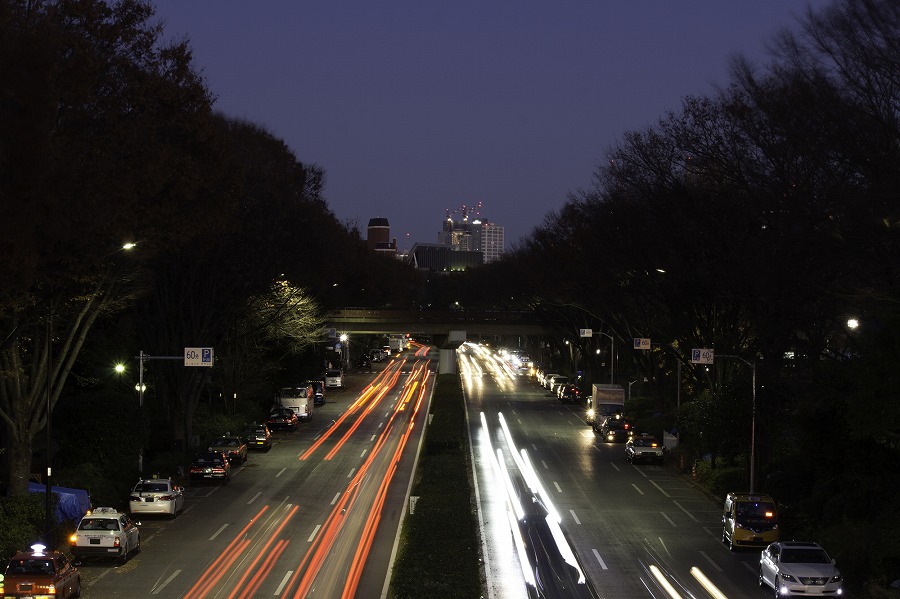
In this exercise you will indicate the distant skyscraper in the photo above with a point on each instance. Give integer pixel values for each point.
(477, 235)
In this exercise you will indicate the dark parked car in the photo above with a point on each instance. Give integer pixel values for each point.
(284, 419)
(259, 436)
(211, 465)
(234, 448)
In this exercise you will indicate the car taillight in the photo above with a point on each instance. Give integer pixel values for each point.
(134, 498)
(73, 539)
(165, 498)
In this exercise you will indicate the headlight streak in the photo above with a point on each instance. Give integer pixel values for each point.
(514, 511)
(523, 463)
(707, 584)
(664, 582)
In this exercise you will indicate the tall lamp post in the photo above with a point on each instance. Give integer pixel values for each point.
(612, 355)
(752, 366)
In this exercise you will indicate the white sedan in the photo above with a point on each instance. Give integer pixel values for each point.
(804, 568)
(156, 496)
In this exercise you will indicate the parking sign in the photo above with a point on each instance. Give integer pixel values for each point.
(702, 356)
(198, 356)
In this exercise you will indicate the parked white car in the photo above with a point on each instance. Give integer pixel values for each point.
(791, 567)
(105, 532)
(156, 496)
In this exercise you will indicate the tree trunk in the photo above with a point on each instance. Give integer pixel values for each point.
(18, 455)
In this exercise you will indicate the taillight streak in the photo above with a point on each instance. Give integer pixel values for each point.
(257, 580)
(329, 532)
(209, 577)
(364, 396)
(362, 552)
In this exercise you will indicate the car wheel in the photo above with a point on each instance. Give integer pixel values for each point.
(76, 592)
(731, 543)
(762, 583)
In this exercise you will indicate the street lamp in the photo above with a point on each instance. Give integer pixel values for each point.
(345, 355)
(752, 366)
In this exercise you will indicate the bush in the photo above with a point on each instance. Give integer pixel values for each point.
(23, 520)
(440, 540)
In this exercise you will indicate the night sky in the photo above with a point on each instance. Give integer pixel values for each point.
(414, 108)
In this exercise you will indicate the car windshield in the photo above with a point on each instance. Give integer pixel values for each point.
(98, 524)
(29, 566)
(151, 487)
(750, 510)
(645, 442)
(805, 555)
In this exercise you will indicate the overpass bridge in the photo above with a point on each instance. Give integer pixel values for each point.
(447, 328)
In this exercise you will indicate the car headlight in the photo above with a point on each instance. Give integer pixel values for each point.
(789, 578)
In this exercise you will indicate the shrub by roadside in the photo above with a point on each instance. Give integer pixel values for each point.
(439, 546)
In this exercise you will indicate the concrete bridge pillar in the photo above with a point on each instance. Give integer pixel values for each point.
(447, 351)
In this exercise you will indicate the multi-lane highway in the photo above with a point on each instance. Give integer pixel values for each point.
(637, 530)
(316, 516)
(562, 512)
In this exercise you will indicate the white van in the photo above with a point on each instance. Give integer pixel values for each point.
(299, 399)
(334, 378)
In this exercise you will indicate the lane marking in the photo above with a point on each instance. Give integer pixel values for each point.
(599, 559)
(577, 521)
(156, 590)
(653, 482)
(218, 532)
(711, 562)
(666, 516)
(280, 472)
(252, 499)
(637, 489)
(284, 581)
(314, 533)
(556, 484)
(336, 497)
(685, 511)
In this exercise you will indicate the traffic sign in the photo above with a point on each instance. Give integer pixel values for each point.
(198, 356)
(702, 356)
(641, 343)
(585, 332)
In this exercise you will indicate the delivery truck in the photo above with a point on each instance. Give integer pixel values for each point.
(605, 401)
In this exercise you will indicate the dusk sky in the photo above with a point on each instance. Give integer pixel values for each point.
(414, 108)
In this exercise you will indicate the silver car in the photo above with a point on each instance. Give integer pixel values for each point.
(156, 496)
(803, 568)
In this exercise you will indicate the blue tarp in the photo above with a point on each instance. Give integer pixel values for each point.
(72, 504)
